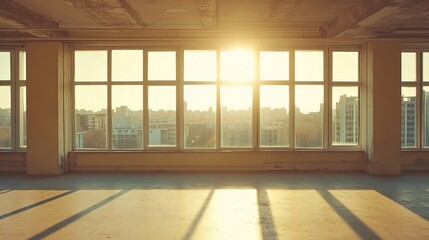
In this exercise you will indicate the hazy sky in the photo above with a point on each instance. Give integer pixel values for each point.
(4, 66)
(408, 69)
(4, 97)
(200, 65)
(200, 97)
(408, 91)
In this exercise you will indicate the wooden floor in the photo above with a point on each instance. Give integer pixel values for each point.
(227, 205)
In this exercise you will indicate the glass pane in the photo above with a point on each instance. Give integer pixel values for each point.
(345, 116)
(345, 66)
(200, 116)
(274, 116)
(127, 65)
(22, 116)
(200, 65)
(426, 116)
(5, 66)
(237, 65)
(127, 117)
(162, 65)
(274, 65)
(408, 67)
(22, 65)
(90, 65)
(90, 116)
(309, 116)
(162, 116)
(236, 122)
(5, 117)
(426, 66)
(309, 66)
(408, 119)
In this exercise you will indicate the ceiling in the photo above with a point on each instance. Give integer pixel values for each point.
(69, 19)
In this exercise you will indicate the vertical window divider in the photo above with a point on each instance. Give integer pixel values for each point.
(292, 99)
(362, 96)
(14, 103)
(109, 101)
(146, 130)
(180, 115)
(326, 98)
(256, 102)
(73, 97)
(419, 100)
(218, 103)
(329, 99)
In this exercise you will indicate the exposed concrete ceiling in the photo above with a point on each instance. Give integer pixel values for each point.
(135, 18)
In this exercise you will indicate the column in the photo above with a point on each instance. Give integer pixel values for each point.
(383, 107)
(45, 108)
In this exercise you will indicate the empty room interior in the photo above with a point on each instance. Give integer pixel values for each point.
(214, 119)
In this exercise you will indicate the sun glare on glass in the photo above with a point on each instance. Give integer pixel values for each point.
(237, 65)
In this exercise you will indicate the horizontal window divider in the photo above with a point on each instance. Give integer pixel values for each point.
(263, 82)
(161, 83)
(309, 83)
(247, 83)
(199, 82)
(127, 82)
(91, 83)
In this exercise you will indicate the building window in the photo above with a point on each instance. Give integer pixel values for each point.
(12, 100)
(415, 99)
(207, 99)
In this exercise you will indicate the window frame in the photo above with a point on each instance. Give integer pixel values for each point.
(15, 84)
(256, 83)
(419, 85)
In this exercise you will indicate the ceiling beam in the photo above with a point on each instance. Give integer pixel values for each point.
(208, 13)
(109, 13)
(31, 22)
(281, 9)
(358, 13)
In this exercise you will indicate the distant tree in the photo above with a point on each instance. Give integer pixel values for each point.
(94, 139)
(4, 137)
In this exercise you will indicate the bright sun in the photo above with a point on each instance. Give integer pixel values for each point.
(237, 65)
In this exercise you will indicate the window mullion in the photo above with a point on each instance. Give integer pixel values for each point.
(256, 103)
(146, 130)
(292, 85)
(218, 102)
(179, 100)
(327, 88)
(109, 101)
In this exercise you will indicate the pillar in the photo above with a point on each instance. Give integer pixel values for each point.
(383, 107)
(45, 108)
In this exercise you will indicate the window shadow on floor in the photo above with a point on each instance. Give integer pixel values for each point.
(5, 191)
(354, 222)
(268, 226)
(36, 204)
(199, 215)
(77, 216)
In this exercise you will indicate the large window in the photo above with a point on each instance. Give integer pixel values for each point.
(12, 100)
(415, 99)
(208, 99)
